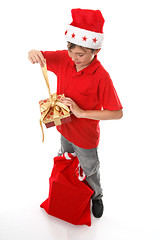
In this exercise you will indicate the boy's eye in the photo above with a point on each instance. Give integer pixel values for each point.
(80, 55)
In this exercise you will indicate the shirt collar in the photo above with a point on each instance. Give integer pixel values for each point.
(89, 69)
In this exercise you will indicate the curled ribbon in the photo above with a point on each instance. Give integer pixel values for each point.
(53, 102)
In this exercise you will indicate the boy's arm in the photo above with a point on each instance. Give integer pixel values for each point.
(92, 114)
(102, 114)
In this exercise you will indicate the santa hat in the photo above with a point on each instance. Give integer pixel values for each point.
(86, 29)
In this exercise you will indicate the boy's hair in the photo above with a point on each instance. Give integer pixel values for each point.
(72, 45)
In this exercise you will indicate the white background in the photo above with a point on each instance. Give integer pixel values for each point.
(129, 148)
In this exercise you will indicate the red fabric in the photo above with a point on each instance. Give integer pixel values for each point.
(91, 88)
(91, 20)
(69, 198)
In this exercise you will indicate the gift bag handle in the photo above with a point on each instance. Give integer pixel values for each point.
(79, 173)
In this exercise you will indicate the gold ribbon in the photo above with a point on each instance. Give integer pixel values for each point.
(53, 102)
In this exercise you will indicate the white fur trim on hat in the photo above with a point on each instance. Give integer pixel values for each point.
(84, 38)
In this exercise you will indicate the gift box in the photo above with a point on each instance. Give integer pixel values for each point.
(53, 111)
(69, 195)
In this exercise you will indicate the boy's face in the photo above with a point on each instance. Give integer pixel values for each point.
(82, 57)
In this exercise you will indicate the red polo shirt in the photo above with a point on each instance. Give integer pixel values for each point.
(91, 88)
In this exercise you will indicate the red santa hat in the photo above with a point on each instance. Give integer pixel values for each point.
(86, 29)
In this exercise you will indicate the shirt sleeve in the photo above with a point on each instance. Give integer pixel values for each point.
(53, 60)
(108, 95)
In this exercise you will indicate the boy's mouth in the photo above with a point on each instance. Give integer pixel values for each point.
(77, 62)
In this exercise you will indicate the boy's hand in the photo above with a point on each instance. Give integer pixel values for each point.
(75, 109)
(36, 56)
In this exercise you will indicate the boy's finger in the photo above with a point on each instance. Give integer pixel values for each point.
(41, 57)
(31, 60)
(34, 59)
(40, 61)
(66, 98)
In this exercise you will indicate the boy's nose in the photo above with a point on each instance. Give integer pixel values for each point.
(74, 58)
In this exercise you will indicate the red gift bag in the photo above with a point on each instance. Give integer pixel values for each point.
(69, 194)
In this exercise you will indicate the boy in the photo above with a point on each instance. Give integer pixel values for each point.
(89, 92)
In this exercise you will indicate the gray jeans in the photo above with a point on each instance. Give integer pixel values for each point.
(89, 162)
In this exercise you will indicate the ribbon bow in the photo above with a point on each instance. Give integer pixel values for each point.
(53, 102)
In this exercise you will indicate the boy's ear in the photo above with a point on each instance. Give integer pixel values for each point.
(96, 51)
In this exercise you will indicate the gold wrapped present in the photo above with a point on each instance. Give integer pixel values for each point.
(53, 111)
